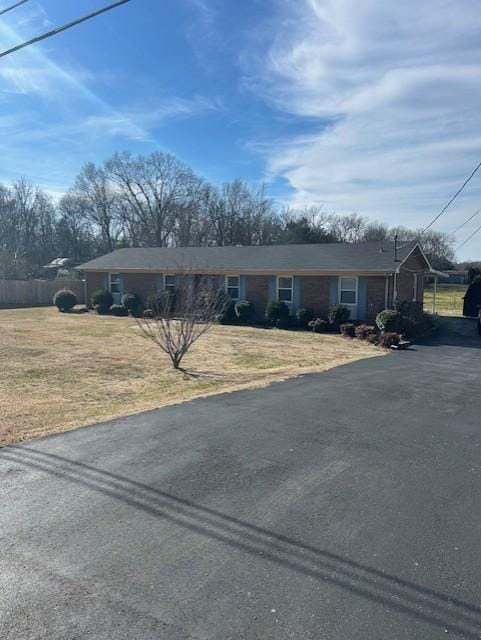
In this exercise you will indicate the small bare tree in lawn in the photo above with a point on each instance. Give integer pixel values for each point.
(181, 316)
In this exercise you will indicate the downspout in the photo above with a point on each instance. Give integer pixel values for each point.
(86, 302)
(386, 293)
(394, 293)
(434, 293)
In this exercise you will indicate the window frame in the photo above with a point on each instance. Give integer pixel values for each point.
(227, 287)
(356, 291)
(291, 289)
(116, 283)
(171, 288)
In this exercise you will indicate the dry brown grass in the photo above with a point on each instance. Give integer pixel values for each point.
(61, 371)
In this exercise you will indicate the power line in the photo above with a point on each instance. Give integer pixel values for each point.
(13, 6)
(452, 199)
(465, 222)
(468, 238)
(64, 27)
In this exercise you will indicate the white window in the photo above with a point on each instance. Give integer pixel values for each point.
(284, 288)
(232, 286)
(170, 283)
(115, 283)
(348, 291)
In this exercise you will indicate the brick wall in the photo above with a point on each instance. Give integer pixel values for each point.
(93, 281)
(405, 279)
(405, 286)
(315, 294)
(376, 296)
(257, 292)
(143, 284)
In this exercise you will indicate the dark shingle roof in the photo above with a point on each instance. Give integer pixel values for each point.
(296, 258)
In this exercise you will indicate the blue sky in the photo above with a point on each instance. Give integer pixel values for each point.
(357, 106)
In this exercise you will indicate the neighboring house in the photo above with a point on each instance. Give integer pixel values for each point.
(61, 268)
(365, 277)
(454, 276)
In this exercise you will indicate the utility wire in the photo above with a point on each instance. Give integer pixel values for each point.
(452, 199)
(64, 27)
(468, 238)
(465, 222)
(13, 6)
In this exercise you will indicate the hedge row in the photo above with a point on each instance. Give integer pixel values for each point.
(408, 320)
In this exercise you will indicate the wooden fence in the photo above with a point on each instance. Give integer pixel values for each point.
(36, 293)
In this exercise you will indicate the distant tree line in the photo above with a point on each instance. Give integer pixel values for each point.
(157, 200)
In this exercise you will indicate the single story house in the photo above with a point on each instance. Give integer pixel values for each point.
(365, 277)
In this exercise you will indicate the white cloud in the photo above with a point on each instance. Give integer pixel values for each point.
(392, 93)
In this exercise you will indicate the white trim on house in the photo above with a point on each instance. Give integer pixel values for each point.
(291, 289)
(171, 286)
(237, 286)
(416, 246)
(252, 272)
(117, 294)
(353, 306)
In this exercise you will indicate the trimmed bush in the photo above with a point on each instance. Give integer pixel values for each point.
(276, 310)
(364, 331)
(244, 311)
(228, 315)
(133, 303)
(389, 321)
(65, 300)
(304, 316)
(119, 310)
(348, 329)
(227, 308)
(154, 300)
(339, 314)
(102, 301)
(162, 301)
(415, 321)
(320, 326)
(389, 339)
(282, 323)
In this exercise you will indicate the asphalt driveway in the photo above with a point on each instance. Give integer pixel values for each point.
(338, 506)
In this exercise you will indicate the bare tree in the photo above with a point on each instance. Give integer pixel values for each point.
(159, 190)
(99, 202)
(181, 317)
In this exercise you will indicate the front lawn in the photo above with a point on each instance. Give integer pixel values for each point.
(61, 371)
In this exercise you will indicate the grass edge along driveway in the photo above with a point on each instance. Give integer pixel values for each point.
(63, 371)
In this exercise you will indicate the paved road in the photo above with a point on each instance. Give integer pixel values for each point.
(337, 506)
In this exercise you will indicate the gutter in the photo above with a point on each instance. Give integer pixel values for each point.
(229, 270)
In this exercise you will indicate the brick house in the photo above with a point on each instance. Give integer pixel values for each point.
(366, 277)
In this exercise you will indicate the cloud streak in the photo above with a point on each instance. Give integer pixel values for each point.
(393, 96)
(53, 118)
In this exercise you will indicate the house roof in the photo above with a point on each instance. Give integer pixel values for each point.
(295, 258)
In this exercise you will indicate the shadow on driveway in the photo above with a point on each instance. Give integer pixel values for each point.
(455, 332)
(416, 601)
